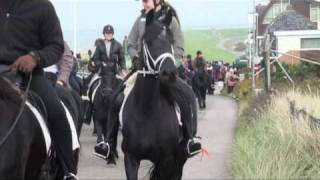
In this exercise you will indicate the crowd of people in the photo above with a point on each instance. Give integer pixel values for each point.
(220, 73)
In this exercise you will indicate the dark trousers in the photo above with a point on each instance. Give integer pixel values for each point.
(185, 98)
(58, 122)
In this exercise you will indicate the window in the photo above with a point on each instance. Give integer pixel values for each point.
(276, 10)
(310, 43)
(315, 12)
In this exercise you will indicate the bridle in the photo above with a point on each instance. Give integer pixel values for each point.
(156, 63)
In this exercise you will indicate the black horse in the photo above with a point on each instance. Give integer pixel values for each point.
(24, 153)
(200, 84)
(151, 129)
(104, 103)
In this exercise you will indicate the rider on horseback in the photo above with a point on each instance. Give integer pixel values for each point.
(134, 49)
(108, 50)
(31, 41)
(199, 62)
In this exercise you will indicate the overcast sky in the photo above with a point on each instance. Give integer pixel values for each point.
(94, 14)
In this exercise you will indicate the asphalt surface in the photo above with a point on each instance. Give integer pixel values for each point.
(216, 127)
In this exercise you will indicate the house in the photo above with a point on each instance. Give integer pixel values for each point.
(310, 9)
(293, 45)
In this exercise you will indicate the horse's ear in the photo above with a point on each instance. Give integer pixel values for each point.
(150, 17)
(168, 18)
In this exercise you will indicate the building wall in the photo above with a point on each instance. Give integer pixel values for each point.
(301, 6)
(291, 44)
(288, 43)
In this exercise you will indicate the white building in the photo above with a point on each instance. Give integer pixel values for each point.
(305, 44)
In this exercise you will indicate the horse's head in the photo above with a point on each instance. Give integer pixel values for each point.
(157, 46)
(108, 78)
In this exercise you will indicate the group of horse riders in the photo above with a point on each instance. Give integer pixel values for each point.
(31, 40)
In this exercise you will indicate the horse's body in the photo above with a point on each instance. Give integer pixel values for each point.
(103, 100)
(24, 152)
(150, 126)
(200, 84)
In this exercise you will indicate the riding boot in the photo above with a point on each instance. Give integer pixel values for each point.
(187, 104)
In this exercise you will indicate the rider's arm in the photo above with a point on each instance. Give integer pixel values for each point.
(133, 39)
(178, 43)
(97, 55)
(50, 36)
(65, 65)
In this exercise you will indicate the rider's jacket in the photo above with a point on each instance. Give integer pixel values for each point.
(30, 25)
(199, 63)
(115, 55)
(137, 32)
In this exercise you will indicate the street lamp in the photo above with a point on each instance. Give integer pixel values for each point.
(75, 26)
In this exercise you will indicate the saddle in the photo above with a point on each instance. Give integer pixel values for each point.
(16, 80)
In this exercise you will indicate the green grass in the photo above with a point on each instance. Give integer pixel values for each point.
(208, 42)
(276, 147)
(233, 33)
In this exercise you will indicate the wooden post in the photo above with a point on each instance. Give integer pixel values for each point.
(267, 52)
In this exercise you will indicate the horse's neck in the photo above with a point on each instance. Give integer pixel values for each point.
(147, 91)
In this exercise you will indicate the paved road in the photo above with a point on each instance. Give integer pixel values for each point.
(216, 127)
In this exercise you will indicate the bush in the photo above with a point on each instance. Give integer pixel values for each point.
(275, 145)
(297, 72)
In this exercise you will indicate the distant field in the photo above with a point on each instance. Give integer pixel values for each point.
(208, 42)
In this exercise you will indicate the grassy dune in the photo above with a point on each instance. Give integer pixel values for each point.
(208, 42)
(274, 146)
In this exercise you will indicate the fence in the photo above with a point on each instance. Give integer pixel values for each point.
(296, 113)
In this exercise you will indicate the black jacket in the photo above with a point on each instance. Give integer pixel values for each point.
(30, 25)
(199, 63)
(116, 54)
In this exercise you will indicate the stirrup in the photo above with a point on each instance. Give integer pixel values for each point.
(70, 175)
(193, 153)
(108, 150)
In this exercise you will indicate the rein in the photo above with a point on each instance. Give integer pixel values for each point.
(155, 62)
(21, 110)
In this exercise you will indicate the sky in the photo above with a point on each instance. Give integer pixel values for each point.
(92, 15)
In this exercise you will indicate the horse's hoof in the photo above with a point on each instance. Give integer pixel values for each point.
(111, 162)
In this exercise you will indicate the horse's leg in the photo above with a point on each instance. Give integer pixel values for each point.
(165, 168)
(99, 128)
(111, 136)
(132, 166)
(180, 162)
(199, 99)
(204, 98)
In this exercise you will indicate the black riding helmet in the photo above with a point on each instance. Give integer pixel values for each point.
(108, 29)
(155, 2)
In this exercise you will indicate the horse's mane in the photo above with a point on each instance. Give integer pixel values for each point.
(173, 11)
(8, 92)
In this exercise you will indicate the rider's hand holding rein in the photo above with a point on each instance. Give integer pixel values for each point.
(26, 63)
